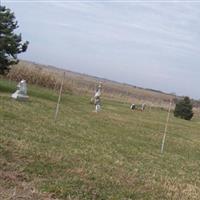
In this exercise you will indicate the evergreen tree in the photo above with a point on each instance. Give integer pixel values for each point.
(183, 109)
(10, 43)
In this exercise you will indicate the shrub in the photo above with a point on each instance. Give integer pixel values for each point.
(183, 109)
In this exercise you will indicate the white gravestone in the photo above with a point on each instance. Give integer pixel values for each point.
(133, 106)
(21, 93)
(97, 100)
(138, 107)
(143, 107)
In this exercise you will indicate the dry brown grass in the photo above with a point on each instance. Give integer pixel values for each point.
(85, 85)
(177, 190)
(37, 75)
(19, 188)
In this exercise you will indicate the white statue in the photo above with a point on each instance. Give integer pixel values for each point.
(97, 100)
(21, 93)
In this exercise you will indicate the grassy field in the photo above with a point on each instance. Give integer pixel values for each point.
(114, 154)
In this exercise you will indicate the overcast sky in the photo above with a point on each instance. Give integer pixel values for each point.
(152, 44)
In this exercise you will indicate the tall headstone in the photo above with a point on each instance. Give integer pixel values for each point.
(143, 106)
(21, 93)
(97, 99)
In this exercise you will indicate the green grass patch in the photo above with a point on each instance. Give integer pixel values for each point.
(114, 154)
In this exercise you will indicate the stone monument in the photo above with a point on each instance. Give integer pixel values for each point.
(21, 93)
(143, 106)
(97, 99)
(133, 107)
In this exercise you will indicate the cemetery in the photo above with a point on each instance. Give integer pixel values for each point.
(114, 154)
(70, 136)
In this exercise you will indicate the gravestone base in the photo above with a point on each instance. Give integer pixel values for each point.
(18, 96)
(97, 108)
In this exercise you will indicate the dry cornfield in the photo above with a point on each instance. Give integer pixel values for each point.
(51, 77)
